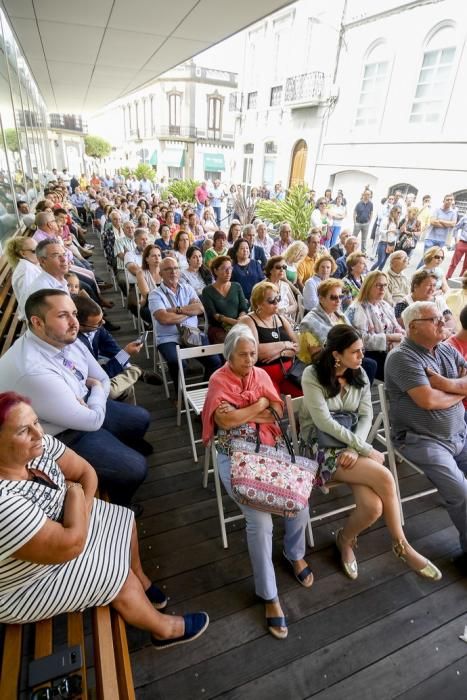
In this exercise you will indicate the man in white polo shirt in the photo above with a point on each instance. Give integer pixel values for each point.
(69, 392)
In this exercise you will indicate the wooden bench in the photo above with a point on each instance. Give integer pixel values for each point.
(112, 669)
(10, 325)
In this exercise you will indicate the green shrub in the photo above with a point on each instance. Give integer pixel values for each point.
(144, 170)
(295, 209)
(183, 190)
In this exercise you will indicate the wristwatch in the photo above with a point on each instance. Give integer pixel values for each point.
(178, 310)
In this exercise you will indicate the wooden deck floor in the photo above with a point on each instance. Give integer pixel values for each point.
(390, 634)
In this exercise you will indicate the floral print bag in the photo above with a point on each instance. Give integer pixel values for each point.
(271, 478)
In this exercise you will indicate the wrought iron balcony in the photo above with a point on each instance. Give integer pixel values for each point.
(305, 90)
(68, 122)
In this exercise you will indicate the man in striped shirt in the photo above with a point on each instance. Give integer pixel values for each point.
(426, 382)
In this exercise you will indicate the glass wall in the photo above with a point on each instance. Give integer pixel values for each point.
(23, 135)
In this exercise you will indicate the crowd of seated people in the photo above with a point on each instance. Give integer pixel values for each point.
(176, 265)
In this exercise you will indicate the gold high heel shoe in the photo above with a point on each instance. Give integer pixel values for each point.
(428, 571)
(350, 567)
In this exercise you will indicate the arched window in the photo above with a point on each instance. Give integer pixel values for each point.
(435, 77)
(404, 187)
(374, 85)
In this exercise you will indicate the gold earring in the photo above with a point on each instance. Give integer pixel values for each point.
(337, 364)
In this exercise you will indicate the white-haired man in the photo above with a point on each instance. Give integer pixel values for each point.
(426, 382)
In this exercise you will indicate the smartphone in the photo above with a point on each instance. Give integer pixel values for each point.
(59, 664)
(142, 338)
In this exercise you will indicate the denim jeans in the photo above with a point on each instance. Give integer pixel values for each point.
(259, 538)
(120, 468)
(381, 256)
(217, 214)
(169, 352)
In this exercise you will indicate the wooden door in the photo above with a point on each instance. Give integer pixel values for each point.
(297, 170)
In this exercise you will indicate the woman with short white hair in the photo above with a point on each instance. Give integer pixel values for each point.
(236, 405)
(398, 283)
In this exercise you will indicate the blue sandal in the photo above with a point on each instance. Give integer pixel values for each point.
(274, 623)
(302, 575)
(156, 596)
(195, 625)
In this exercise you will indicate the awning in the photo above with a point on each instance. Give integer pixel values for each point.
(153, 158)
(214, 162)
(173, 157)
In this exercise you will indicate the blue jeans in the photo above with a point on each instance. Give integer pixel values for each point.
(259, 538)
(335, 231)
(169, 352)
(381, 256)
(120, 468)
(217, 214)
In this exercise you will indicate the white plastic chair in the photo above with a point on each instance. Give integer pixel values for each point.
(159, 363)
(191, 397)
(384, 437)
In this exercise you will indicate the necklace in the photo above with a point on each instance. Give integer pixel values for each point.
(274, 331)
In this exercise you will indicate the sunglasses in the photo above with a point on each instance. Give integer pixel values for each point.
(280, 267)
(336, 297)
(275, 300)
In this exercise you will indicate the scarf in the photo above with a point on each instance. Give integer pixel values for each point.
(225, 385)
(318, 322)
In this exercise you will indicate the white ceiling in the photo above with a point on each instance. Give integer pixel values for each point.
(86, 53)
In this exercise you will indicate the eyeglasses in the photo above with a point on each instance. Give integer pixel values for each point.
(336, 297)
(170, 269)
(381, 286)
(93, 328)
(274, 300)
(67, 688)
(280, 267)
(436, 320)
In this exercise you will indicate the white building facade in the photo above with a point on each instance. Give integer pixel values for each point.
(180, 124)
(285, 92)
(399, 121)
(345, 95)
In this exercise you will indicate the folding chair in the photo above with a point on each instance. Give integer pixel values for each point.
(193, 395)
(128, 285)
(218, 488)
(159, 363)
(293, 406)
(384, 437)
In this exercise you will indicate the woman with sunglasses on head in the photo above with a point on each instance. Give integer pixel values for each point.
(317, 323)
(335, 384)
(275, 271)
(277, 342)
(432, 261)
(375, 320)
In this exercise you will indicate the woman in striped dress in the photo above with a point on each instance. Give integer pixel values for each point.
(63, 550)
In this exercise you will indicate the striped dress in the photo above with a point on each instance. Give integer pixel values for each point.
(30, 591)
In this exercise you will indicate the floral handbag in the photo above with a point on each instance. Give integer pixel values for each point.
(271, 478)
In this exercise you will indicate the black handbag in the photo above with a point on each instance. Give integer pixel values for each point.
(347, 419)
(294, 374)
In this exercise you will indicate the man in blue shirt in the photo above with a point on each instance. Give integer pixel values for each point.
(172, 305)
(442, 222)
(361, 217)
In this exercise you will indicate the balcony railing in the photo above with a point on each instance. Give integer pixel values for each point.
(68, 122)
(191, 132)
(305, 89)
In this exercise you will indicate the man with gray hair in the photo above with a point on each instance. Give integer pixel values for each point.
(256, 251)
(426, 382)
(54, 263)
